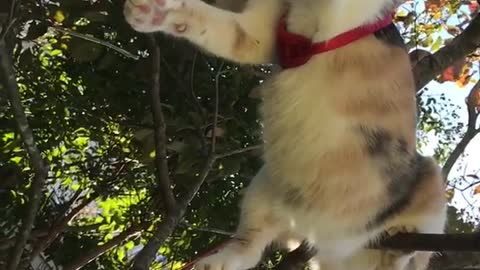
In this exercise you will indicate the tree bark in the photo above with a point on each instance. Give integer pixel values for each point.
(464, 44)
(9, 82)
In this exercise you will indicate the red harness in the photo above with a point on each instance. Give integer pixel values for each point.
(295, 50)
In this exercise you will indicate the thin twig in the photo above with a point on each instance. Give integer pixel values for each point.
(192, 84)
(240, 151)
(471, 132)
(11, 14)
(162, 174)
(10, 21)
(212, 230)
(469, 186)
(7, 29)
(185, 201)
(97, 41)
(74, 198)
(187, 198)
(215, 115)
(209, 230)
(59, 226)
(97, 251)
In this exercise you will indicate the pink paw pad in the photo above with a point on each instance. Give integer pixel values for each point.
(158, 19)
(144, 8)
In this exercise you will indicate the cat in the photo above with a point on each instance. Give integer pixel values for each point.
(340, 161)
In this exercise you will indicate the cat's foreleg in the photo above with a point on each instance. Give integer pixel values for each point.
(247, 37)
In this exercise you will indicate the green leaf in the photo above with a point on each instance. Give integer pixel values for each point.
(81, 141)
(129, 245)
(120, 254)
(436, 45)
(16, 159)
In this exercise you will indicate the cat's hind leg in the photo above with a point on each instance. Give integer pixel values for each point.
(260, 225)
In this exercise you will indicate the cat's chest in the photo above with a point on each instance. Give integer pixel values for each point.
(300, 98)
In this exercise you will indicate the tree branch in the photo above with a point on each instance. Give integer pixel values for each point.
(240, 151)
(460, 47)
(97, 41)
(162, 174)
(431, 242)
(164, 229)
(145, 257)
(6, 243)
(99, 250)
(471, 132)
(174, 212)
(464, 242)
(40, 169)
(455, 260)
(58, 227)
(188, 197)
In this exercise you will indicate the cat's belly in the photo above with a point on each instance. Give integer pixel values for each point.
(331, 238)
(305, 145)
(318, 167)
(300, 122)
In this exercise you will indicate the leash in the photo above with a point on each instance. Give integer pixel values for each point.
(213, 250)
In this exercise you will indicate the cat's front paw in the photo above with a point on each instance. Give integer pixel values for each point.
(152, 15)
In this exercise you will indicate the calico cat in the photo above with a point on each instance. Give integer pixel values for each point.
(341, 165)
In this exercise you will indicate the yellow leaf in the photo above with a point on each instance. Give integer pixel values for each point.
(59, 16)
(437, 15)
(402, 13)
(449, 194)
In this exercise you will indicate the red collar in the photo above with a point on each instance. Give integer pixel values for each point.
(295, 50)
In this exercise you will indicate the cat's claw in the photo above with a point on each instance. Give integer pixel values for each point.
(151, 15)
